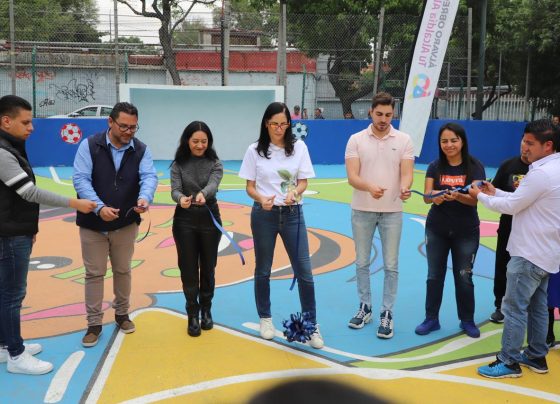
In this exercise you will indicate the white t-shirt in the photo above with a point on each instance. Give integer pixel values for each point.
(266, 171)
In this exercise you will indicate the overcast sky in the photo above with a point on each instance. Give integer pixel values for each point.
(131, 24)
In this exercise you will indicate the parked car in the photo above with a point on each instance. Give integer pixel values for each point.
(90, 111)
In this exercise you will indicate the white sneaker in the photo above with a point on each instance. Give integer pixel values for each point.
(28, 365)
(33, 349)
(316, 340)
(267, 328)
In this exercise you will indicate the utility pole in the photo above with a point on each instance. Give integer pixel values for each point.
(481, 56)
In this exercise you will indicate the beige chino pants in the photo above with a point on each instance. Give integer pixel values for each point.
(97, 247)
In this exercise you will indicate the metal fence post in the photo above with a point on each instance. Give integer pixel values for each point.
(34, 79)
(12, 47)
(498, 101)
(481, 59)
(527, 85)
(378, 50)
(469, 63)
(117, 70)
(281, 53)
(303, 88)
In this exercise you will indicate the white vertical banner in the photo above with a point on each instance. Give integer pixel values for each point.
(429, 52)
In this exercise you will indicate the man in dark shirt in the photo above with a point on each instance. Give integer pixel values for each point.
(507, 178)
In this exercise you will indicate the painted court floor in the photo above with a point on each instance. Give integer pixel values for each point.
(160, 362)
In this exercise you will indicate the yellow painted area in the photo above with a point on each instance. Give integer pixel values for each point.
(406, 390)
(161, 356)
(543, 382)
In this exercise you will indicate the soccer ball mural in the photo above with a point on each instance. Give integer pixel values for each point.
(71, 133)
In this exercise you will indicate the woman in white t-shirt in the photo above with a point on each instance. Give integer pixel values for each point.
(276, 168)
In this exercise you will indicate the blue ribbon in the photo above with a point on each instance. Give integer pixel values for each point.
(149, 223)
(225, 233)
(296, 260)
(459, 189)
(299, 328)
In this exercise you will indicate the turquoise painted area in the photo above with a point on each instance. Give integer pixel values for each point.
(32, 389)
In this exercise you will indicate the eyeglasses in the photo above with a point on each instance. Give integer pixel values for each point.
(282, 125)
(125, 128)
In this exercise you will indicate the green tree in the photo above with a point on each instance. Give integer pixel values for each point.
(188, 32)
(171, 14)
(51, 21)
(345, 30)
(526, 30)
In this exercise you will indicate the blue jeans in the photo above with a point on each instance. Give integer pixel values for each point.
(363, 228)
(524, 307)
(463, 246)
(266, 225)
(14, 264)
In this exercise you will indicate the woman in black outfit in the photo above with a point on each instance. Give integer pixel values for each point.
(196, 173)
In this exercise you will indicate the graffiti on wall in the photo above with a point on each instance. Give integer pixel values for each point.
(41, 75)
(75, 90)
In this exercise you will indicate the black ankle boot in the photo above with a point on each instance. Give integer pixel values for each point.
(206, 320)
(194, 326)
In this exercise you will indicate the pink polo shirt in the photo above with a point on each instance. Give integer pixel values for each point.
(380, 162)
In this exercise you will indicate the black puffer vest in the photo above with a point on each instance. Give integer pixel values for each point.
(17, 216)
(117, 189)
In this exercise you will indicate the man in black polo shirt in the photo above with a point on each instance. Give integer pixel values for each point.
(509, 175)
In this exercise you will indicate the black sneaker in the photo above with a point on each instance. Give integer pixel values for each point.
(385, 329)
(537, 365)
(362, 317)
(497, 317)
(550, 340)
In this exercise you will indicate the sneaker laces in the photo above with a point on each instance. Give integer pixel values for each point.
(495, 363)
(361, 313)
(385, 321)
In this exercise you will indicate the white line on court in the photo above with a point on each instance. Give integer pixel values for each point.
(61, 379)
(374, 374)
(334, 369)
(97, 388)
(56, 178)
(447, 348)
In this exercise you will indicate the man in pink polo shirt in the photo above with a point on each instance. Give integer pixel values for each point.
(379, 165)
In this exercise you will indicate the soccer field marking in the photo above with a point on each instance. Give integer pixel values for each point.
(56, 178)
(61, 379)
(104, 372)
(447, 348)
(373, 374)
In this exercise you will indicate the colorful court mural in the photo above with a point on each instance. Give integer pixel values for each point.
(160, 362)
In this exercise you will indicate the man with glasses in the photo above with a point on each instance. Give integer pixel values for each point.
(116, 170)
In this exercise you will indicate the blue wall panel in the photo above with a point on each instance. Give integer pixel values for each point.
(490, 141)
(46, 148)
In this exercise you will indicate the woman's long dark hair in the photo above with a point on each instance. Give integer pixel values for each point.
(468, 161)
(183, 152)
(264, 137)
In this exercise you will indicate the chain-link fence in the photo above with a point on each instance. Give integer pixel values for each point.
(65, 61)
